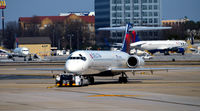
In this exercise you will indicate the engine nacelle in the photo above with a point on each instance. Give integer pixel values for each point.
(135, 61)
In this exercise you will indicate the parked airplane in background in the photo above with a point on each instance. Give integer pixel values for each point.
(86, 64)
(17, 52)
(21, 52)
(162, 46)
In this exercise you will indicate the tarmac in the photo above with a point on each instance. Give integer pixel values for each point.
(176, 90)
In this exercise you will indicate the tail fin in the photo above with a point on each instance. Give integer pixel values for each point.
(130, 37)
(16, 40)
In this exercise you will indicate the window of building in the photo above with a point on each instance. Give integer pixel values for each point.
(118, 21)
(144, 7)
(155, 1)
(127, 8)
(127, 14)
(155, 20)
(144, 20)
(127, 21)
(119, 7)
(155, 7)
(115, 8)
(116, 1)
(136, 21)
(144, 1)
(113, 21)
(136, 7)
(155, 14)
(144, 14)
(150, 14)
(114, 15)
(150, 7)
(135, 1)
(119, 14)
(127, 1)
(150, 1)
(136, 14)
(150, 20)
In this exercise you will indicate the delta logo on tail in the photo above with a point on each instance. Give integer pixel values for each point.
(130, 37)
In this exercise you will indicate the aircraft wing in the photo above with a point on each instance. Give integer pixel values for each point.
(136, 28)
(44, 69)
(150, 69)
(4, 51)
(136, 45)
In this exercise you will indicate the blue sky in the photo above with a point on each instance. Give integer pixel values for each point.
(171, 9)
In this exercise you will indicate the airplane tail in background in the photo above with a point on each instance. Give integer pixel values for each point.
(16, 41)
(130, 37)
(130, 33)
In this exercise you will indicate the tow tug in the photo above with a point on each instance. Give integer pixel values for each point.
(70, 79)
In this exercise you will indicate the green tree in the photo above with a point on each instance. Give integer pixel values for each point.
(11, 32)
(79, 34)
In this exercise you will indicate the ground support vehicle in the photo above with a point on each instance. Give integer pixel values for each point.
(69, 79)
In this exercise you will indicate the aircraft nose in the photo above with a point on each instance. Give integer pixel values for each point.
(73, 66)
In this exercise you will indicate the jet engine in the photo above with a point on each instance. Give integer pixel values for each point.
(135, 61)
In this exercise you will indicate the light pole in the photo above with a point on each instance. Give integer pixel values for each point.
(2, 6)
(70, 35)
(192, 34)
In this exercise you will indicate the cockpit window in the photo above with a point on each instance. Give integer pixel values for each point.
(76, 58)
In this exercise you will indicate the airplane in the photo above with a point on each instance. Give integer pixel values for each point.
(17, 52)
(90, 63)
(162, 46)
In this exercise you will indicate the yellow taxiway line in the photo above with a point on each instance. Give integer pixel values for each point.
(105, 95)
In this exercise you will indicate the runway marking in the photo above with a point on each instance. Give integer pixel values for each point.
(132, 97)
(51, 86)
(105, 95)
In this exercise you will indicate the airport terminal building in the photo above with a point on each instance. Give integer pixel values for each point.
(112, 13)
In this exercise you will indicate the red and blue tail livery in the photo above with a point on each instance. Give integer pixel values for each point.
(130, 37)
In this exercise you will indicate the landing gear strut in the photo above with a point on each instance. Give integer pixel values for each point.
(123, 78)
(91, 79)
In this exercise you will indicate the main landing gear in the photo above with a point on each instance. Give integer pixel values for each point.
(123, 78)
(91, 79)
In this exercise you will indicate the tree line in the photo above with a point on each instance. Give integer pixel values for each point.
(183, 31)
(59, 34)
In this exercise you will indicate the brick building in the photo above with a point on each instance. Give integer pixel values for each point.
(36, 45)
(42, 22)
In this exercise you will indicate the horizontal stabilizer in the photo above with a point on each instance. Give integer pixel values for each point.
(123, 28)
(148, 28)
(136, 28)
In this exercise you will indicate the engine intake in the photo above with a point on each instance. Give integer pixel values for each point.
(135, 61)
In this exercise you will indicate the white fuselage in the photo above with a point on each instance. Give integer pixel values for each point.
(160, 45)
(90, 62)
(21, 51)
